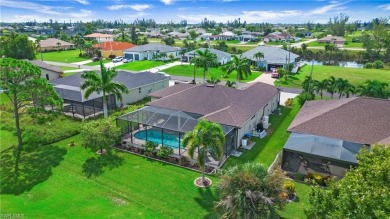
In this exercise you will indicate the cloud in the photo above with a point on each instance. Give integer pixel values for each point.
(136, 7)
(334, 5)
(136, 15)
(30, 6)
(83, 2)
(385, 7)
(167, 2)
(82, 14)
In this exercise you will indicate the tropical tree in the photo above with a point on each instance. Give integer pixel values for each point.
(171, 57)
(240, 65)
(58, 45)
(17, 46)
(170, 41)
(163, 55)
(205, 136)
(205, 59)
(22, 84)
(344, 87)
(258, 56)
(103, 83)
(308, 84)
(230, 84)
(79, 42)
(320, 86)
(182, 52)
(374, 88)
(332, 86)
(100, 134)
(362, 193)
(248, 191)
(37, 47)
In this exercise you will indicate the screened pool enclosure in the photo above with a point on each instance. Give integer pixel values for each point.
(165, 127)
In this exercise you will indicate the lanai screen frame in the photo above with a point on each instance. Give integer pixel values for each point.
(165, 119)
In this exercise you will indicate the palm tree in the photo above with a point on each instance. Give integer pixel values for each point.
(332, 86)
(320, 86)
(344, 87)
(58, 45)
(182, 52)
(79, 42)
(171, 57)
(206, 135)
(163, 55)
(308, 84)
(37, 47)
(258, 56)
(103, 83)
(374, 88)
(240, 65)
(205, 59)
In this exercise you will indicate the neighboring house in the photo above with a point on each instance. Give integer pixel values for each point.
(155, 33)
(178, 35)
(49, 72)
(100, 37)
(223, 57)
(53, 44)
(246, 37)
(279, 36)
(332, 39)
(240, 109)
(227, 35)
(307, 34)
(110, 48)
(45, 31)
(140, 85)
(147, 51)
(274, 57)
(327, 134)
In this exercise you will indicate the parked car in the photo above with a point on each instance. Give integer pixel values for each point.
(127, 60)
(117, 59)
(275, 75)
(96, 58)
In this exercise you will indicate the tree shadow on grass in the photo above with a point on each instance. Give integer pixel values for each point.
(35, 166)
(95, 166)
(206, 200)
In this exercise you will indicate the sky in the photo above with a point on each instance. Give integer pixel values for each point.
(162, 11)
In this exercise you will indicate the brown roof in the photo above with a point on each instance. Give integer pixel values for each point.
(217, 103)
(52, 42)
(359, 119)
(113, 46)
(99, 35)
(46, 66)
(171, 90)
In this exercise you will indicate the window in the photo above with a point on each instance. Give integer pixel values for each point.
(139, 90)
(47, 76)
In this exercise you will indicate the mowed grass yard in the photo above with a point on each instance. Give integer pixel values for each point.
(98, 62)
(141, 65)
(188, 71)
(68, 56)
(356, 76)
(265, 151)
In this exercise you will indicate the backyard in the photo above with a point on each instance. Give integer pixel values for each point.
(68, 56)
(98, 62)
(356, 76)
(141, 65)
(188, 71)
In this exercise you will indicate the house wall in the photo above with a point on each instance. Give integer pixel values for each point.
(55, 48)
(148, 55)
(50, 75)
(252, 122)
(140, 93)
(106, 54)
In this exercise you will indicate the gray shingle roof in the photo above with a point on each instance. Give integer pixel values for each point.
(153, 47)
(360, 120)
(227, 106)
(273, 55)
(46, 66)
(220, 54)
(171, 90)
(68, 86)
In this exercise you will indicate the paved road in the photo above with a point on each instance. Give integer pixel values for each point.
(85, 67)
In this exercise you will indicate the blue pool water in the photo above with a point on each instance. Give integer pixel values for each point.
(155, 136)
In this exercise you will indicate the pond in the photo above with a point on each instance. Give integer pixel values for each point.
(347, 64)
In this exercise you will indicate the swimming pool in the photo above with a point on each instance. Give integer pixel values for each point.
(154, 135)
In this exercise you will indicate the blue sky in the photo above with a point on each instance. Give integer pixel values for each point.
(253, 11)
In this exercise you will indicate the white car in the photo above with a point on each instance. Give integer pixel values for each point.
(117, 59)
(127, 60)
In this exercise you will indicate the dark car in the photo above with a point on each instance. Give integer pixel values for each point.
(96, 58)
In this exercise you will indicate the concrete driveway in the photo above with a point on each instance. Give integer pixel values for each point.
(162, 67)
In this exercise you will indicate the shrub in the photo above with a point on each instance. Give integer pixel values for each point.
(299, 176)
(111, 56)
(164, 151)
(183, 160)
(289, 187)
(368, 65)
(378, 64)
(150, 146)
(305, 96)
(288, 102)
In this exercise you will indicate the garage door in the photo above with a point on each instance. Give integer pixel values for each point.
(128, 55)
(136, 56)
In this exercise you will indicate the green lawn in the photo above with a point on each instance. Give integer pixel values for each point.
(188, 71)
(295, 209)
(348, 44)
(141, 65)
(55, 185)
(68, 56)
(7, 139)
(65, 68)
(356, 76)
(98, 62)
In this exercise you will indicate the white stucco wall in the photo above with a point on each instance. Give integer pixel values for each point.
(149, 55)
(138, 94)
(52, 75)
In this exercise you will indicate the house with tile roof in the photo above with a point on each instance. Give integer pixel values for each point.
(326, 135)
(274, 57)
(53, 44)
(177, 110)
(112, 48)
(100, 37)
